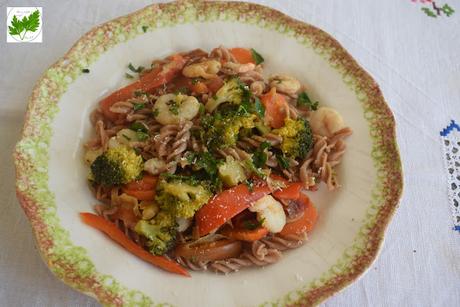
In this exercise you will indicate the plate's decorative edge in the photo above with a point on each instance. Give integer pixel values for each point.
(71, 264)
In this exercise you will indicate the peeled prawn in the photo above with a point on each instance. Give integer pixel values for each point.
(270, 213)
(285, 84)
(172, 109)
(326, 121)
(207, 69)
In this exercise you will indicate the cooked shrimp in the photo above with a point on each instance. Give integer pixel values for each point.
(172, 109)
(270, 212)
(285, 84)
(240, 68)
(154, 166)
(325, 121)
(207, 69)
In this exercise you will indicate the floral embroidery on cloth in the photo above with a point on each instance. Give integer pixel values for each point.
(436, 9)
(450, 137)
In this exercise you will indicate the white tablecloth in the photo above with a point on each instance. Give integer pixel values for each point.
(415, 59)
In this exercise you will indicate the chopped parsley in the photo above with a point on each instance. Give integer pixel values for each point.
(139, 93)
(128, 76)
(257, 57)
(181, 90)
(259, 107)
(253, 224)
(202, 110)
(259, 157)
(85, 70)
(283, 162)
(138, 106)
(195, 80)
(134, 69)
(144, 28)
(250, 184)
(142, 136)
(173, 107)
(139, 127)
(304, 101)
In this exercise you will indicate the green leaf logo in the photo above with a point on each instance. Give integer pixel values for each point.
(27, 24)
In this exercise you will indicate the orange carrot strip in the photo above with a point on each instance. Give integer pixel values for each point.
(242, 55)
(246, 234)
(306, 222)
(118, 236)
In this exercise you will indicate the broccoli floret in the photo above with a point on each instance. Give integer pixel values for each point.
(221, 130)
(233, 91)
(181, 197)
(160, 233)
(297, 138)
(116, 166)
(231, 172)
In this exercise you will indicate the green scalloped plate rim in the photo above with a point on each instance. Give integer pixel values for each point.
(72, 264)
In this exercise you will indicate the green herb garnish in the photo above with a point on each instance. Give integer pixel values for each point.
(250, 184)
(138, 106)
(283, 162)
(257, 57)
(85, 70)
(128, 76)
(136, 70)
(304, 101)
(259, 158)
(138, 93)
(142, 136)
(144, 28)
(259, 107)
(181, 90)
(138, 127)
(173, 107)
(202, 110)
(253, 225)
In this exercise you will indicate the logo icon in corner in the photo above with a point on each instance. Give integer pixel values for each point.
(24, 24)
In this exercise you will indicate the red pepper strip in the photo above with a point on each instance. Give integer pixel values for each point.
(226, 205)
(292, 191)
(148, 82)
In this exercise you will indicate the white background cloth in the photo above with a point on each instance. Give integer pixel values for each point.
(414, 58)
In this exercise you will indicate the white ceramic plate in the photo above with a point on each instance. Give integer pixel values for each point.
(51, 174)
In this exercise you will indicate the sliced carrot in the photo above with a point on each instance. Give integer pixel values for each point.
(245, 234)
(306, 222)
(276, 108)
(141, 195)
(292, 191)
(242, 55)
(118, 236)
(226, 205)
(200, 88)
(143, 189)
(147, 182)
